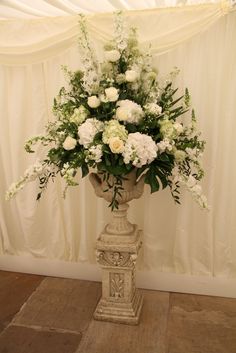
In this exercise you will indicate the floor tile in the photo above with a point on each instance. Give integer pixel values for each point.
(148, 337)
(201, 324)
(15, 289)
(17, 339)
(61, 304)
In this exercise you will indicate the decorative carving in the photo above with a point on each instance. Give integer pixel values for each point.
(112, 258)
(117, 285)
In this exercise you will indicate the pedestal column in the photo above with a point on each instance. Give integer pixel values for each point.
(117, 254)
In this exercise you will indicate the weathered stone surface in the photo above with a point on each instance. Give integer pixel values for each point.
(15, 289)
(17, 339)
(148, 337)
(61, 304)
(201, 324)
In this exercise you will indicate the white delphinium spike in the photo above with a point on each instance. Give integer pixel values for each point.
(90, 77)
(120, 31)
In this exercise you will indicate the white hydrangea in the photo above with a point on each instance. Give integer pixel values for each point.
(129, 111)
(140, 149)
(114, 129)
(153, 108)
(88, 130)
(94, 153)
(79, 115)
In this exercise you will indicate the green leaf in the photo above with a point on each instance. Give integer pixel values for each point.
(151, 179)
(85, 170)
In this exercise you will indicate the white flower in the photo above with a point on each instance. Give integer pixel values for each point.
(178, 128)
(112, 55)
(79, 115)
(93, 102)
(179, 155)
(94, 153)
(116, 145)
(129, 111)
(131, 75)
(167, 129)
(191, 182)
(88, 130)
(164, 145)
(153, 108)
(69, 143)
(140, 149)
(114, 129)
(112, 94)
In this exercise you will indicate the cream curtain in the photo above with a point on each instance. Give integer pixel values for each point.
(177, 239)
(24, 42)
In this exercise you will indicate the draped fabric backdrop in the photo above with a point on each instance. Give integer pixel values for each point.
(200, 41)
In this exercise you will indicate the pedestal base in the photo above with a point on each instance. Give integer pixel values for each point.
(123, 313)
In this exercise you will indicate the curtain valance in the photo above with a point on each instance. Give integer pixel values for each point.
(28, 41)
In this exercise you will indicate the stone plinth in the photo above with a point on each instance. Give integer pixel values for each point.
(121, 302)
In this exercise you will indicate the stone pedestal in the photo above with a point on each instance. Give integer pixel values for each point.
(121, 302)
(117, 250)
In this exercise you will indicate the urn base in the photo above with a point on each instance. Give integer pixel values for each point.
(122, 313)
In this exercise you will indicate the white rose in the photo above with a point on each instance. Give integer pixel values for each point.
(112, 55)
(112, 94)
(69, 143)
(131, 75)
(116, 145)
(93, 102)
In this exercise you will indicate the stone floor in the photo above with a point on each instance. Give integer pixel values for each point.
(51, 315)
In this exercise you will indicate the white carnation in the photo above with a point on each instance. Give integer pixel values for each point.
(93, 102)
(112, 55)
(112, 94)
(88, 130)
(140, 149)
(69, 143)
(129, 111)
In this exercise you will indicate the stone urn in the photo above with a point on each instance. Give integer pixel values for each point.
(117, 250)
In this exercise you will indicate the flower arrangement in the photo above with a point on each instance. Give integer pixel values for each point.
(117, 116)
